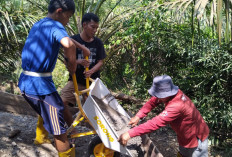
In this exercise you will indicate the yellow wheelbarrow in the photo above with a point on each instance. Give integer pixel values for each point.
(105, 144)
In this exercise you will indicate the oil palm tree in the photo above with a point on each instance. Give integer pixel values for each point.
(112, 14)
(207, 12)
(16, 18)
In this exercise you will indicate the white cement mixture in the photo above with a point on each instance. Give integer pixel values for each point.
(120, 124)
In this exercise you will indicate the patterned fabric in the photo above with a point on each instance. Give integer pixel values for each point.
(97, 52)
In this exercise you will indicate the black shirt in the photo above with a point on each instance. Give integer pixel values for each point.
(97, 52)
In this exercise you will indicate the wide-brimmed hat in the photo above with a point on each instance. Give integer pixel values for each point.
(163, 87)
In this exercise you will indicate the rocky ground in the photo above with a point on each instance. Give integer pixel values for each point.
(17, 133)
(23, 129)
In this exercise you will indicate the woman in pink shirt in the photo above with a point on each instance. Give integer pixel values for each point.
(192, 131)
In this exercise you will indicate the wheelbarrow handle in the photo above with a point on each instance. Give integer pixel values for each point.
(75, 80)
(77, 94)
(87, 79)
(81, 113)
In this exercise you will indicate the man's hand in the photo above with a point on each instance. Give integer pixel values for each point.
(123, 138)
(85, 63)
(134, 121)
(88, 73)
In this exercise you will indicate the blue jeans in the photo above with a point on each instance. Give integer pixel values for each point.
(200, 151)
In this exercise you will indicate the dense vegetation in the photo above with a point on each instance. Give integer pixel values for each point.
(157, 46)
(144, 40)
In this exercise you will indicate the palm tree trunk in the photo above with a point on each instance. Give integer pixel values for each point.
(227, 32)
(219, 20)
(193, 22)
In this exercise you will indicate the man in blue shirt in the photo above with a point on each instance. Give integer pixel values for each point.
(39, 57)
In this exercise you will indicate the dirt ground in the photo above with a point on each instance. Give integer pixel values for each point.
(22, 144)
(23, 126)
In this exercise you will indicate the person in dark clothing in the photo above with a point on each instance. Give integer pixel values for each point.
(90, 23)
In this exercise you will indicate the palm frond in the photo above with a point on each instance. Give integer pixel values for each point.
(200, 7)
(70, 30)
(175, 2)
(183, 12)
(83, 8)
(16, 18)
(114, 22)
(113, 31)
(90, 6)
(110, 12)
(98, 6)
(179, 7)
(212, 12)
(180, 11)
(10, 22)
(1, 34)
(38, 4)
(181, 4)
(24, 26)
(5, 28)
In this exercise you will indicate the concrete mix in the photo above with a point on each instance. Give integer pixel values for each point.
(119, 123)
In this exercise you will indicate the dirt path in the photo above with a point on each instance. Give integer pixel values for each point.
(22, 144)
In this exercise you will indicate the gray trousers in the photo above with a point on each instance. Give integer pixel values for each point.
(200, 151)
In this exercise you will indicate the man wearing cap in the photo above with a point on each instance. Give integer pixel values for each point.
(180, 112)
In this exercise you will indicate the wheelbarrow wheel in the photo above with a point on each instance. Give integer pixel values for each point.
(94, 149)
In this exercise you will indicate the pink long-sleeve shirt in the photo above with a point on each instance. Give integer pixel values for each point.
(181, 114)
